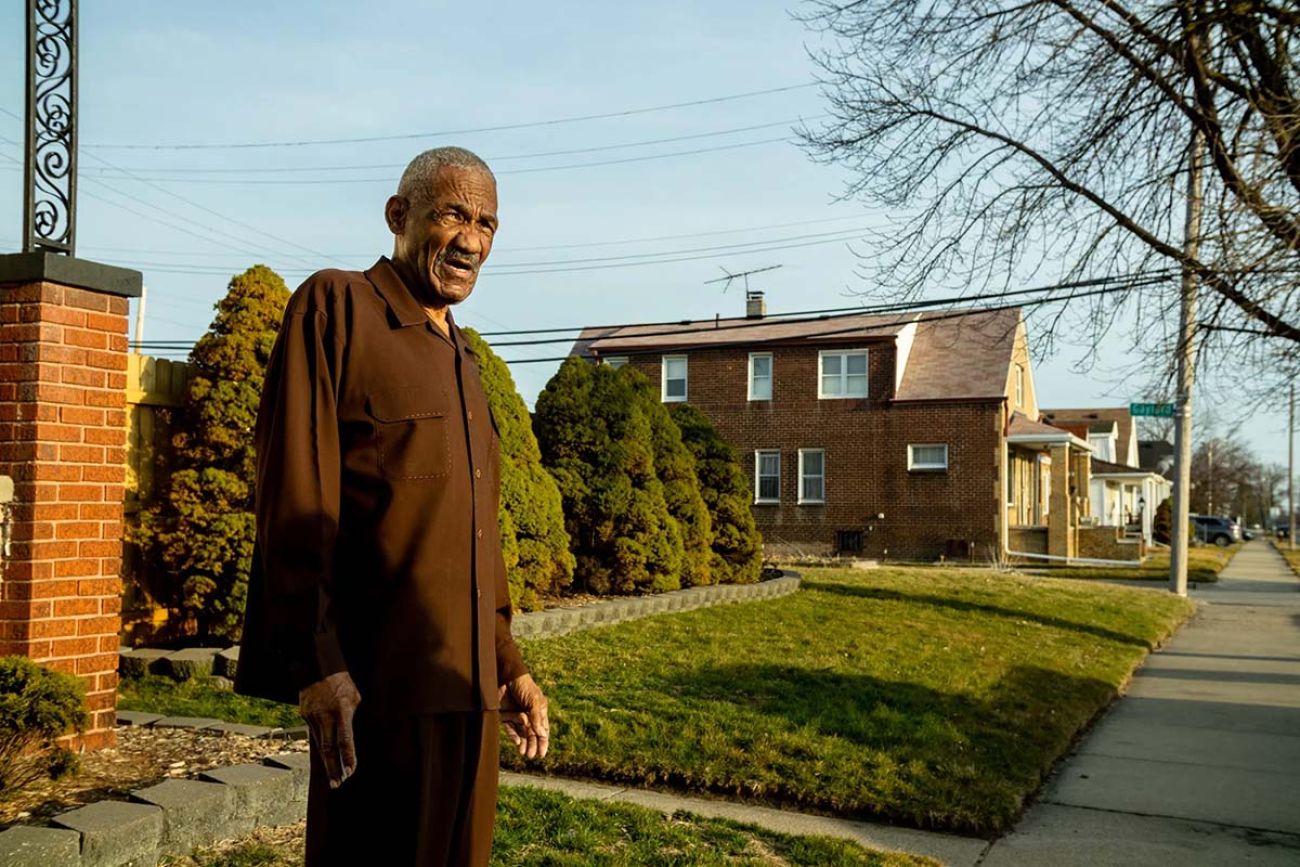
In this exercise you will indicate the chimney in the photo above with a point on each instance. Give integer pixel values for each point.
(755, 306)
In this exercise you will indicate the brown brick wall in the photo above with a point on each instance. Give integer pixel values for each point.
(1108, 543)
(62, 440)
(866, 454)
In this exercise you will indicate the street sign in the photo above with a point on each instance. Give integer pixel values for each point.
(1157, 410)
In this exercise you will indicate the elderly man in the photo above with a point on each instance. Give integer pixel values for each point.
(378, 600)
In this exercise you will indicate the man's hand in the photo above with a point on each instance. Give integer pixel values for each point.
(523, 710)
(327, 706)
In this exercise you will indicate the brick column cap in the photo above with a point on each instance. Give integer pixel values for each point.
(41, 266)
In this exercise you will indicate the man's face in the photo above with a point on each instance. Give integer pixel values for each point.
(444, 236)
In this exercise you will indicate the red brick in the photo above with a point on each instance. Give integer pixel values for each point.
(106, 322)
(83, 376)
(96, 664)
(85, 299)
(103, 548)
(58, 511)
(78, 453)
(78, 606)
(56, 314)
(116, 380)
(115, 418)
(81, 415)
(116, 475)
(106, 360)
(106, 436)
(80, 568)
(107, 680)
(118, 343)
(110, 605)
(117, 305)
(48, 550)
(48, 393)
(101, 511)
(67, 665)
(57, 472)
(104, 625)
(65, 647)
(80, 493)
(100, 587)
(18, 575)
(115, 455)
(21, 609)
(55, 353)
(57, 432)
(33, 531)
(54, 628)
(106, 398)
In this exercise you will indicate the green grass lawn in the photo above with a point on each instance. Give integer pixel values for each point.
(200, 697)
(931, 698)
(547, 829)
(1204, 563)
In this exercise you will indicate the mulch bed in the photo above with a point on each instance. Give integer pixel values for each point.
(142, 757)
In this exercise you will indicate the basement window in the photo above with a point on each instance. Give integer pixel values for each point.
(928, 458)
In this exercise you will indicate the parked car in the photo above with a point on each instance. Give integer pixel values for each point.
(1213, 530)
(1282, 529)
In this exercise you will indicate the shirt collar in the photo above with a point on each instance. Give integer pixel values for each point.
(403, 306)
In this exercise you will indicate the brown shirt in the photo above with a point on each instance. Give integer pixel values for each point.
(378, 549)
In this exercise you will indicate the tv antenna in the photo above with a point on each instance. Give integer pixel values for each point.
(741, 275)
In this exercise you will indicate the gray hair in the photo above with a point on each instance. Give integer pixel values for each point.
(418, 177)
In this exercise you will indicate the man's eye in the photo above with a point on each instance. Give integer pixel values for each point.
(449, 218)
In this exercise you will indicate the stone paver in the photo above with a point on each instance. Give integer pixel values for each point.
(947, 848)
(248, 731)
(137, 718)
(1200, 763)
(186, 722)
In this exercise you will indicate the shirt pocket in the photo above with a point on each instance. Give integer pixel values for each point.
(411, 426)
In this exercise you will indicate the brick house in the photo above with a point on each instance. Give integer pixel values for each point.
(910, 437)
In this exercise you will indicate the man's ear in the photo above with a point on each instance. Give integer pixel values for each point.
(395, 213)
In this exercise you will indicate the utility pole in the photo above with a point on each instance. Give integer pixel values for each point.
(1186, 373)
(1290, 473)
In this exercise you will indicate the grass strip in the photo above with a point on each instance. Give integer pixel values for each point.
(1203, 565)
(937, 699)
(201, 697)
(548, 829)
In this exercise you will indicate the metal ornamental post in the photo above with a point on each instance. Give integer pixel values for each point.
(50, 157)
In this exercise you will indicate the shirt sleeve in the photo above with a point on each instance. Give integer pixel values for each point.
(297, 501)
(510, 662)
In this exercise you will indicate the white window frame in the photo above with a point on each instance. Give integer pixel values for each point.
(770, 375)
(758, 479)
(616, 361)
(803, 501)
(663, 379)
(1020, 386)
(913, 466)
(821, 364)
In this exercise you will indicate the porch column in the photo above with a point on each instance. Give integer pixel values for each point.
(1060, 539)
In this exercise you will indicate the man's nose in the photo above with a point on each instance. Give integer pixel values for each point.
(468, 241)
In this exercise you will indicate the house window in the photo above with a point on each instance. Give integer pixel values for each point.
(928, 458)
(843, 373)
(812, 476)
(760, 376)
(767, 476)
(674, 378)
(1020, 386)
(616, 361)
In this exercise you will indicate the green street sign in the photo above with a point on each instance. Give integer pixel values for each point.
(1157, 410)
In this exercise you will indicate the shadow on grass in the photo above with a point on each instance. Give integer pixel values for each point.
(910, 753)
(887, 595)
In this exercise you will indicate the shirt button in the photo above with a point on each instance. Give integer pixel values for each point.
(480, 533)
(469, 414)
(478, 474)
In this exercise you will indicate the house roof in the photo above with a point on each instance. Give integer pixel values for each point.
(1023, 426)
(1156, 456)
(951, 356)
(1106, 468)
(1098, 420)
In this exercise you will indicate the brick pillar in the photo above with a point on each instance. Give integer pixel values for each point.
(63, 352)
(1060, 539)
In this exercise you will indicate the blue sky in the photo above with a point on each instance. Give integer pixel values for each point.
(241, 72)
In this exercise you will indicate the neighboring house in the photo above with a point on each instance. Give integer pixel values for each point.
(1123, 494)
(1157, 456)
(907, 437)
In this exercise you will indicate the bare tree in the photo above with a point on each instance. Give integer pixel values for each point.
(1022, 139)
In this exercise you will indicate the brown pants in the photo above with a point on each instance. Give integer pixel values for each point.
(424, 794)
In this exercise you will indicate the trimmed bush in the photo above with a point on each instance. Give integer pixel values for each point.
(675, 467)
(37, 706)
(597, 442)
(737, 545)
(533, 538)
(199, 535)
(1162, 523)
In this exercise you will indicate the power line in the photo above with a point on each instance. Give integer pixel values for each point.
(675, 328)
(500, 158)
(497, 128)
(388, 179)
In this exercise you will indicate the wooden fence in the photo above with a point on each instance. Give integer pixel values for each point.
(154, 387)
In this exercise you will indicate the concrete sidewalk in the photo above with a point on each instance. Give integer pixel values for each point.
(1200, 763)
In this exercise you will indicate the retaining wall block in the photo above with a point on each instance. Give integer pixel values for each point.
(28, 846)
(225, 662)
(188, 663)
(116, 833)
(185, 722)
(137, 718)
(263, 795)
(194, 814)
(140, 662)
(299, 764)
